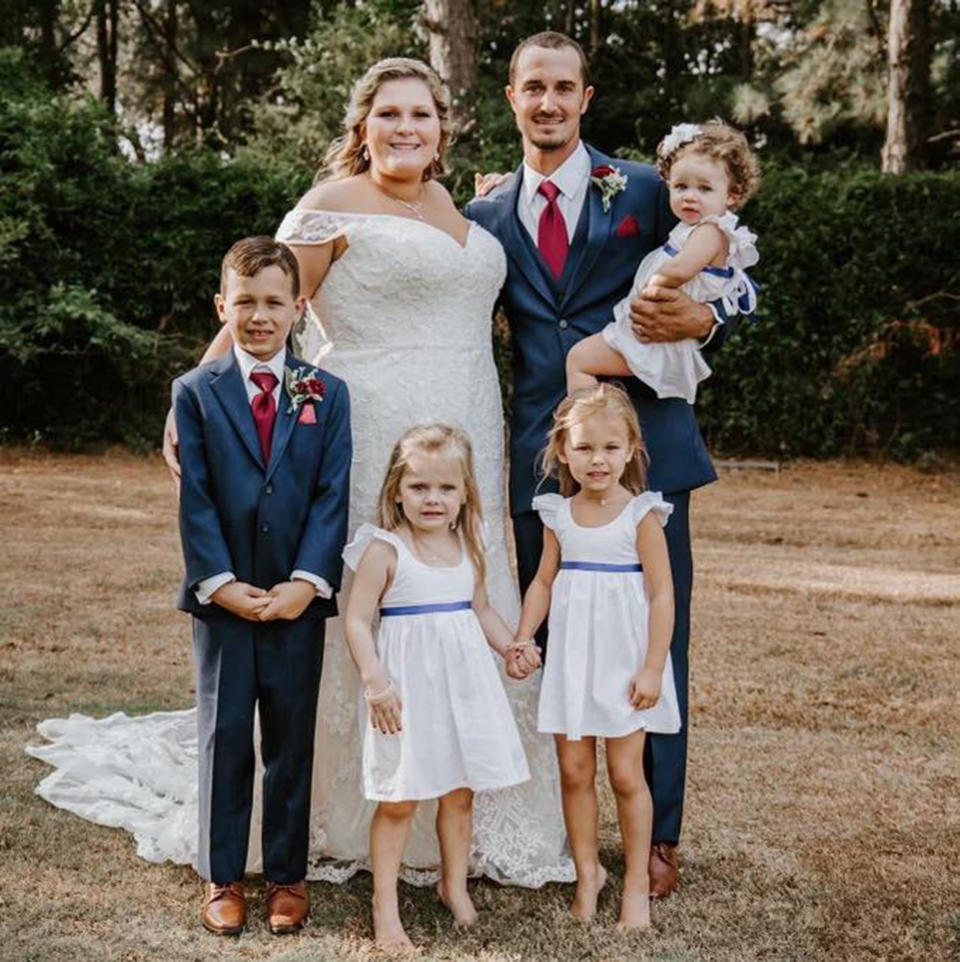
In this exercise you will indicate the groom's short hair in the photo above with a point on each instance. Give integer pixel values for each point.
(249, 256)
(552, 40)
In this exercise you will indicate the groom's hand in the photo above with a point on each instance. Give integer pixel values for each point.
(288, 600)
(241, 599)
(668, 314)
(171, 446)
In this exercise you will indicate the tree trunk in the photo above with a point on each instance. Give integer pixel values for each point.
(108, 16)
(452, 25)
(596, 7)
(908, 89)
(169, 73)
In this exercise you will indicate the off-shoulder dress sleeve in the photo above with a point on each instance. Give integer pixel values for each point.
(302, 226)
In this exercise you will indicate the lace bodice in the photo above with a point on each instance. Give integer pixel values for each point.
(409, 313)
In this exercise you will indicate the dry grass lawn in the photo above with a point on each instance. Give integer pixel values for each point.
(824, 797)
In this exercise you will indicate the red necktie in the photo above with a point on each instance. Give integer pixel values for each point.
(264, 409)
(552, 234)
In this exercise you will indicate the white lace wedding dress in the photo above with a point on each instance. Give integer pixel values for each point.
(409, 313)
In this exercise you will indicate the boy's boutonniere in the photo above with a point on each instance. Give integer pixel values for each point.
(609, 181)
(303, 387)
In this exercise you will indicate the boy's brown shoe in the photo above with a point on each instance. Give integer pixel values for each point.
(224, 908)
(664, 873)
(287, 907)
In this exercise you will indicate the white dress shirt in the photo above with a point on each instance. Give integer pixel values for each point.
(248, 365)
(572, 179)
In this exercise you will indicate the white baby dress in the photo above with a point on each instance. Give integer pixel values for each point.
(458, 729)
(598, 626)
(675, 368)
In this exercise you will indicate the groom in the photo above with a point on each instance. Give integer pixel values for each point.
(569, 262)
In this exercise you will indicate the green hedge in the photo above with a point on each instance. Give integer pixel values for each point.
(107, 270)
(856, 347)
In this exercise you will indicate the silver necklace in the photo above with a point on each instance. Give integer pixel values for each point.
(414, 206)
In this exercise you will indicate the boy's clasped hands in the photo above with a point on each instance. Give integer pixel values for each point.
(286, 600)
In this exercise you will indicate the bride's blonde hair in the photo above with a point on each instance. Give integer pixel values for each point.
(436, 439)
(346, 156)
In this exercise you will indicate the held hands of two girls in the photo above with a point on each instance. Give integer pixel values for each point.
(522, 657)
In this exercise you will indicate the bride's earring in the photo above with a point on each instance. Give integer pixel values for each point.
(365, 154)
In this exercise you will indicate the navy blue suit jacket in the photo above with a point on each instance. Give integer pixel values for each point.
(260, 521)
(548, 317)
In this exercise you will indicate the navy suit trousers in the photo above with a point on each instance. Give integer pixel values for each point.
(240, 665)
(665, 756)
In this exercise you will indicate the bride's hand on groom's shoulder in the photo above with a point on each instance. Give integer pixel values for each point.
(484, 183)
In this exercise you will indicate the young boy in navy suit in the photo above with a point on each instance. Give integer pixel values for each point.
(265, 457)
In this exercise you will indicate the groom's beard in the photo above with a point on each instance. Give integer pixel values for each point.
(552, 141)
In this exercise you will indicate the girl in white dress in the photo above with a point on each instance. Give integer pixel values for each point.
(709, 170)
(440, 726)
(605, 577)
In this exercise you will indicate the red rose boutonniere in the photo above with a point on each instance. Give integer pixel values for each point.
(304, 387)
(609, 181)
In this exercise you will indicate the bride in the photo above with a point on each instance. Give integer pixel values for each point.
(405, 288)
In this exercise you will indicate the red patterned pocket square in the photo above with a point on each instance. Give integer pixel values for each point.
(628, 226)
(307, 415)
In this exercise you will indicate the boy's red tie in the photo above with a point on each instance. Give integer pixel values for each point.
(264, 409)
(552, 233)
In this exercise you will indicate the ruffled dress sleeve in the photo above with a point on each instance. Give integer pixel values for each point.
(548, 507)
(366, 533)
(729, 282)
(651, 501)
(742, 241)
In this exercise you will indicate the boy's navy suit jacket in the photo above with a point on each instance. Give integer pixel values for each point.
(260, 521)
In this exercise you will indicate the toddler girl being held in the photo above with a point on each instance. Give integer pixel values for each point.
(605, 578)
(440, 724)
(709, 170)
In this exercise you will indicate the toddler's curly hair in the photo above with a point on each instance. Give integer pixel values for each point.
(725, 145)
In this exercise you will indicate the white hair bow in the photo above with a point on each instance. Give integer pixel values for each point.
(679, 135)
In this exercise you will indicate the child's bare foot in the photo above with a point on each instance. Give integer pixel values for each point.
(388, 931)
(634, 910)
(589, 884)
(459, 902)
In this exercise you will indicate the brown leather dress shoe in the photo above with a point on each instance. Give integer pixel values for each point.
(287, 907)
(224, 908)
(663, 869)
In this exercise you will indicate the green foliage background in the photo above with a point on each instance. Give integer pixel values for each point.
(107, 266)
